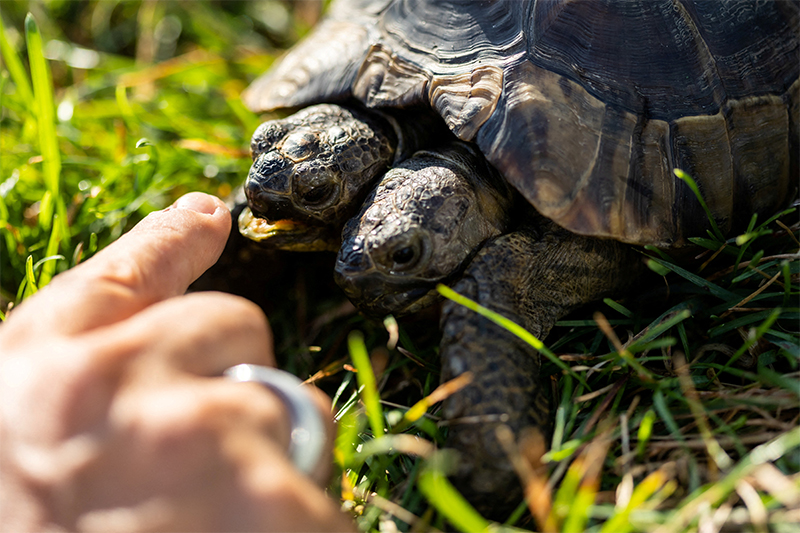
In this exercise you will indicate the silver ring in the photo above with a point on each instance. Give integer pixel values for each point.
(308, 434)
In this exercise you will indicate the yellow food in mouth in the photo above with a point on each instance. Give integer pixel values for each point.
(287, 234)
(259, 229)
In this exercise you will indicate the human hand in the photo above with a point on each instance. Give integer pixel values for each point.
(113, 416)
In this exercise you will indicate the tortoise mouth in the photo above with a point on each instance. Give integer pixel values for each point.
(287, 234)
(377, 295)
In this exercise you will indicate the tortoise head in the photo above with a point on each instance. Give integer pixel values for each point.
(316, 166)
(420, 226)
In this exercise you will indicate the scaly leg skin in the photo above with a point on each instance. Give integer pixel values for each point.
(533, 276)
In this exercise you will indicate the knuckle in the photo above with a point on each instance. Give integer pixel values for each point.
(240, 315)
(176, 418)
(118, 277)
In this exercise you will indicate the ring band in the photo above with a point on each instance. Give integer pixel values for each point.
(308, 433)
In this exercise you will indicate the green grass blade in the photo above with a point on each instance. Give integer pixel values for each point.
(366, 379)
(43, 93)
(30, 279)
(621, 309)
(44, 261)
(46, 210)
(660, 404)
(49, 268)
(714, 289)
(342, 387)
(787, 283)
(661, 325)
(15, 68)
(750, 270)
(775, 379)
(558, 429)
(656, 267)
(688, 180)
(711, 244)
(756, 335)
(509, 325)
(645, 431)
(791, 313)
(579, 509)
(125, 105)
(652, 484)
(449, 502)
(347, 430)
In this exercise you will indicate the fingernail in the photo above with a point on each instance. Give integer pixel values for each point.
(197, 201)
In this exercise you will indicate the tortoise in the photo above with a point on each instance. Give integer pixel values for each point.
(562, 120)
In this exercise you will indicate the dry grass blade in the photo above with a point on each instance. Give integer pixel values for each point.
(788, 231)
(778, 485)
(716, 454)
(391, 508)
(406, 444)
(205, 147)
(191, 60)
(718, 492)
(440, 393)
(724, 272)
(758, 513)
(579, 488)
(623, 352)
(526, 457)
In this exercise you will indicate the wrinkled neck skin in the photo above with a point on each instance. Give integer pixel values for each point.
(533, 276)
(415, 129)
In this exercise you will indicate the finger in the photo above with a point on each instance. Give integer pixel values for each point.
(274, 495)
(157, 259)
(203, 334)
(209, 449)
(199, 334)
(283, 501)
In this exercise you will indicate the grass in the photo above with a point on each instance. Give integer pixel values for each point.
(675, 410)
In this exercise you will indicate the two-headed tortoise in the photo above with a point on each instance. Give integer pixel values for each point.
(585, 108)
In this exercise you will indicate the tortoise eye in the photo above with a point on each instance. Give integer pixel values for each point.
(406, 256)
(317, 195)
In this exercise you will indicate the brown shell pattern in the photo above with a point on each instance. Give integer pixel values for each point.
(585, 106)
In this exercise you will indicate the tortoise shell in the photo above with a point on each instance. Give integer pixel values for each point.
(586, 107)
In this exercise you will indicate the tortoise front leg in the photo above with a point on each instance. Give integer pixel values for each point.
(533, 276)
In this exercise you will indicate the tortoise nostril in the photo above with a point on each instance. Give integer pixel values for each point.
(351, 256)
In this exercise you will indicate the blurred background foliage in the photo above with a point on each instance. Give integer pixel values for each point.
(147, 107)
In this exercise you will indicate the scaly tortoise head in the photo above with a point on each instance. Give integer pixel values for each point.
(422, 223)
(314, 166)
